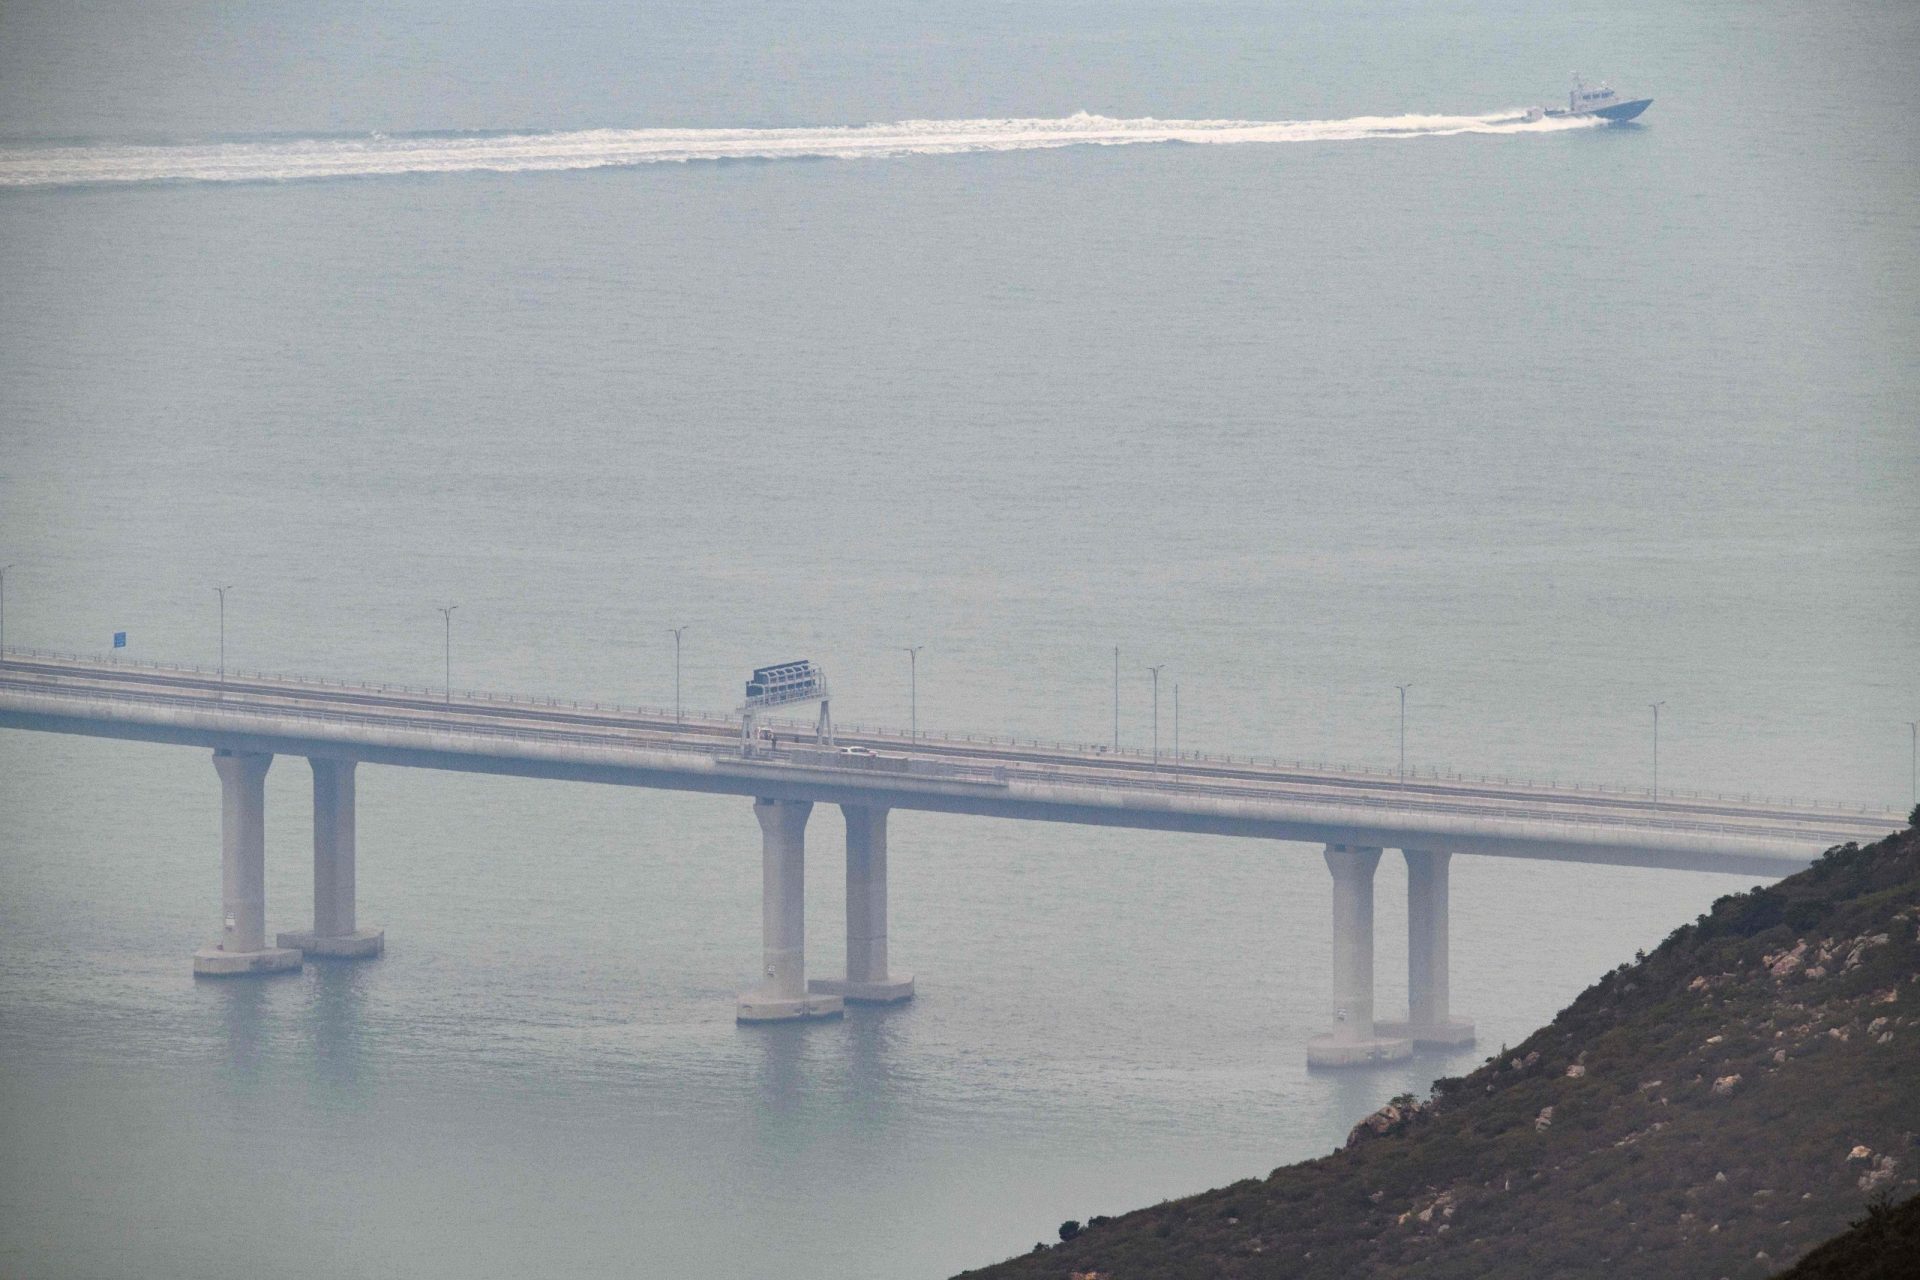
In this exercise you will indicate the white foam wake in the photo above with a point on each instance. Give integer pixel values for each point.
(287, 159)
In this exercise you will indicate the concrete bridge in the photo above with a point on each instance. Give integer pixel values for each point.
(248, 720)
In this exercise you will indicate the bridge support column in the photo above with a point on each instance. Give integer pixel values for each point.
(781, 995)
(243, 948)
(867, 980)
(1353, 1039)
(1429, 1022)
(333, 935)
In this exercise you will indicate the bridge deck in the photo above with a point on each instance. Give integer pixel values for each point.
(482, 733)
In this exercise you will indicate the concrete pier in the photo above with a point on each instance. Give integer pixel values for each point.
(1352, 1039)
(1429, 1023)
(334, 935)
(243, 948)
(868, 980)
(781, 995)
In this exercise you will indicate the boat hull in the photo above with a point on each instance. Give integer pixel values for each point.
(1614, 113)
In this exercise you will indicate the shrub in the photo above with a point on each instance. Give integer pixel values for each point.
(1758, 913)
(1806, 914)
(1069, 1229)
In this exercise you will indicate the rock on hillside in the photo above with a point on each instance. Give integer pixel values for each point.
(1716, 1109)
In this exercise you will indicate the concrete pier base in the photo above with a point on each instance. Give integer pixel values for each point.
(1454, 1033)
(361, 944)
(1353, 1039)
(335, 935)
(752, 1008)
(1332, 1051)
(782, 995)
(212, 962)
(243, 949)
(892, 991)
(868, 980)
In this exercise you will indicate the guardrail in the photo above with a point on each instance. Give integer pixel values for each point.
(282, 719)
(631, 740)
(1385, 803)
(904, 739)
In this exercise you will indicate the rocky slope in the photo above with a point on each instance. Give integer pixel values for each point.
(1717, 1108)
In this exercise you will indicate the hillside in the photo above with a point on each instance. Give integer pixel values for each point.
(1882, 1244)
(1717, 1108)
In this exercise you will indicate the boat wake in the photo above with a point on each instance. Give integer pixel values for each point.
(281, 160)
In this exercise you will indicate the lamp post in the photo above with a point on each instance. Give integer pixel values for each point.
(222, 593)
(676, 633)
(1656, 747)
(1116, 697)
(446, 611)
(913, 690)
(1176, 726)
(1156, 713)
(1913, 760)
(3, 611)
(1403, 731)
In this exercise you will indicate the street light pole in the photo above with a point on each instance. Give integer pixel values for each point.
(1403, 731)
(1116, 697)
(677, 632)
(3, 611)
(446, 611)
(1176, 726)
(1156, 713)
(222, 593)
(1913, 766)
(1656, 748)
(913, 690)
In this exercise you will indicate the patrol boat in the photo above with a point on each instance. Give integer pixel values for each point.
(1602, 102)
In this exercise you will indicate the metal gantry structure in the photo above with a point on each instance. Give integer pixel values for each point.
(780, 685)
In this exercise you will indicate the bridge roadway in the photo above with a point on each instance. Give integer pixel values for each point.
(248, 719)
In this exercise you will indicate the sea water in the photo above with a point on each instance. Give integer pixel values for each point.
(1267, 342)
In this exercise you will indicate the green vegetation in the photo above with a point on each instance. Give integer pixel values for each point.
(1716, 1108)
(1883, 1245)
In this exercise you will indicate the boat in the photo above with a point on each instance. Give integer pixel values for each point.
(1601, 102)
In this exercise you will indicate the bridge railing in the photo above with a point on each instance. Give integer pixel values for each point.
(1426, 806)
(278, 718)
(900, 737)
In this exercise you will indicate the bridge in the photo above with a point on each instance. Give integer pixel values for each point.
(786, 769)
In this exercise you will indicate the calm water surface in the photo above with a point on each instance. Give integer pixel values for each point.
(1551, 426)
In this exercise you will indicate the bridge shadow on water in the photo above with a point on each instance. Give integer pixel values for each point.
(244, 1023)
(838, 1076)
(315, 1022)
(336, 1031)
